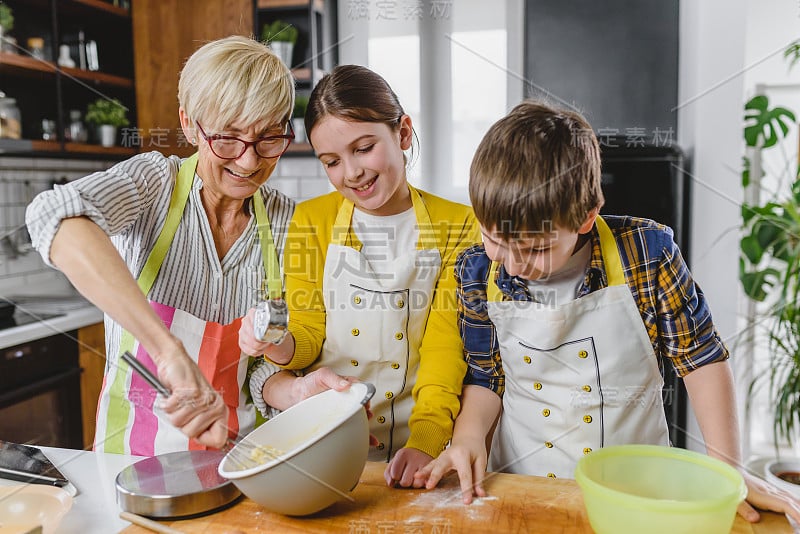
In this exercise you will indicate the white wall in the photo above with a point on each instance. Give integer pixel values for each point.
(711, 57)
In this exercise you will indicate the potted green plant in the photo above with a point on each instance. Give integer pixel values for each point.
(281, 37)
(108, 115)
(6, 22)
(770, 260)
(298, 118)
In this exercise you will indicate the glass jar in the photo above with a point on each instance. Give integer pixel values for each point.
(10, 118)
(76, 131)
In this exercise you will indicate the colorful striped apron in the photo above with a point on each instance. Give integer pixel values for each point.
(128, 420)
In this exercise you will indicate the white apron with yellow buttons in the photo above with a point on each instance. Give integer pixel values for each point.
(375, 322)
(578, 377)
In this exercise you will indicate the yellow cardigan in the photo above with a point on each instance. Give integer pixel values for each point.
(442, 367)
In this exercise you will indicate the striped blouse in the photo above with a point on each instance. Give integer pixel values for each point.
(129, 202)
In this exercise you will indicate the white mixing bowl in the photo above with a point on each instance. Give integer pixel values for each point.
(321, 445)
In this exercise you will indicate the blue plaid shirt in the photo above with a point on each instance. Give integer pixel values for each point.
(673, 308)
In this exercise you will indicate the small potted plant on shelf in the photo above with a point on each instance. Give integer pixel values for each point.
(281, 38)
(298, 118)
(6, 24)
(107, 115)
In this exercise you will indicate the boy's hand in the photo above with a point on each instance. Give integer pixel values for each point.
(762, 494)
(401, 470)
(468, 462)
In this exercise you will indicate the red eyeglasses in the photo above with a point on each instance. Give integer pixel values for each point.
(229, 147)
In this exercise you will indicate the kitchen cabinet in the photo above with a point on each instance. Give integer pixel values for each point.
(315, 52)
(91, 358)
(46, 91)
(165, 33)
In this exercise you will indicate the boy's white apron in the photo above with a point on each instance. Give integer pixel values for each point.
(375, 322)
(128, 421)
(578, 377)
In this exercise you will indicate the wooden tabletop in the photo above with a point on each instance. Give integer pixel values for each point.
(514, 503)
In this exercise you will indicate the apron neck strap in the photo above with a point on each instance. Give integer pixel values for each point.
(177, 203)
(342, 236)
(269, 254)
(608, 248)
(610, 251)
(493, 293)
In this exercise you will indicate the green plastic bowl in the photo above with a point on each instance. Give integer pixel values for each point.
(653, 489)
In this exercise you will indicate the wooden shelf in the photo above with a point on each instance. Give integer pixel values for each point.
(99, 5)
(98, 77)
(85, 148)
(46, 146)
(303, 75)
(54, 148)
(26, 65)
(19, 64)
(300, 149)
(283, 4)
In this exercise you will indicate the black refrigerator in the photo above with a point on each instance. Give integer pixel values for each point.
(644, 179)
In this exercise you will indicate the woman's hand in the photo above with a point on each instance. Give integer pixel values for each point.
(401, 470)
(284, 389)
(468, 460)
(193, 407)
(281, 353)
(761, 494)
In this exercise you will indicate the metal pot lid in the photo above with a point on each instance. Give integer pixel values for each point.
(178, 484)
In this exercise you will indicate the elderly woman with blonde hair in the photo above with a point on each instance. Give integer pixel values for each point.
(175, 251)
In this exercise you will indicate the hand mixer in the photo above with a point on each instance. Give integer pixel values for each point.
(245, 456)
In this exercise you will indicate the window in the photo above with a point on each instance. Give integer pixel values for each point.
(456, 67)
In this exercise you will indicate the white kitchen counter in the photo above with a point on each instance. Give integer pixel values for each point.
(94, 509)
(70, 320)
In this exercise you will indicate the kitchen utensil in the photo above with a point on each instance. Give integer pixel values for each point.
(321, 447)
(33, 505)
(28, 464)
(244, 456)
(177, 484)
(648, 488)
(148, 523)
(271, 320)
(784, 474)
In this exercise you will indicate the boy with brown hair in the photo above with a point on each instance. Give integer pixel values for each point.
(568, 318)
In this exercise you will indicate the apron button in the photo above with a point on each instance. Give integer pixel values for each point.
(389, 394)
(354, 363)
(381, 419)
(583, 354)
(355, 331)
(380, 446)
(398, 336)
(551, 475)
(587, 450)
(546, 412)
(395, 365)
(401, 303)
(526, 359)
(537, 386)
(548, 444)
(587, 388)
(357, 300)
(587, 418)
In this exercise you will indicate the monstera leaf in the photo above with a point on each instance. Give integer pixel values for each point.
(762, 123)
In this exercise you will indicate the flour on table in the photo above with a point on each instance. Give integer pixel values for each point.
(450, 498)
